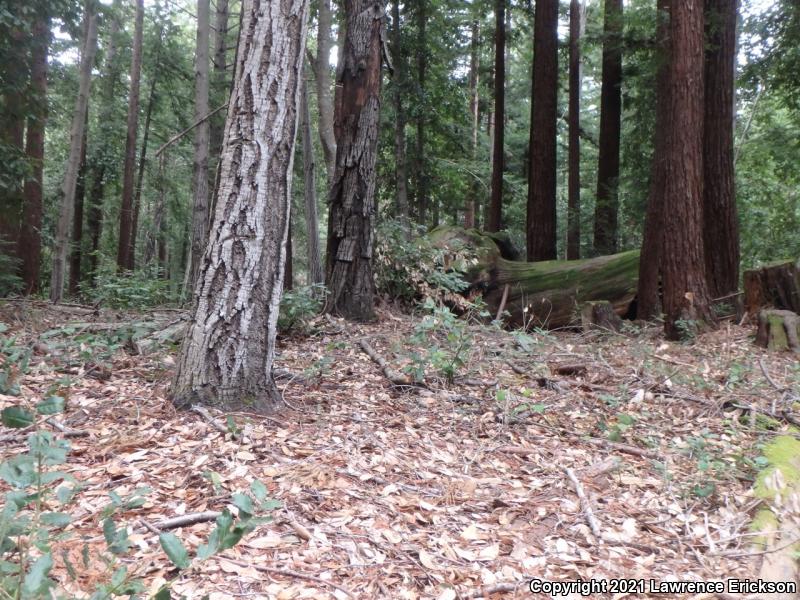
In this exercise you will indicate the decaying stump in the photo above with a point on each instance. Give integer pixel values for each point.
(778, 330)
(773, 286)
(600, 315)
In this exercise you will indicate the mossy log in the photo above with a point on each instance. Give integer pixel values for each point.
(546, 294)
(774, 286)
(778, 330)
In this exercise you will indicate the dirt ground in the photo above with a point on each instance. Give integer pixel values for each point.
(460, 489)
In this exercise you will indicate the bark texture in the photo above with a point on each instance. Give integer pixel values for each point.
(227, 355)
(30, 240)
(421, 187)
(471, 208)
(773, 286)
(349, 277)
(398, 79)
(322, 73)
(61, 250)
(721, 225)
(541, 218)
(577, 21)
(77, 219)
(686, 297)
(124, 257)
(316, 274)
(606, 212)
(137, 198)
(494, 214)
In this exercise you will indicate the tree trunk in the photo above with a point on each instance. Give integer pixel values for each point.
(352, 197)
(773, 286)
(316, 275)
(77, 219)
(648, 296)
(577, 22)
(778, 330)
(474, 110)
(322, 75)
(68, 189)
(30, 241)
(421, 191)
(288, 271)
(124, 258)
(228, 352)
(137, 200)
(607, 205)
(686, 297)
(541, 219)
(220, 84)
(200, 212)
(721, 224)
(400, 169)
(495, 213)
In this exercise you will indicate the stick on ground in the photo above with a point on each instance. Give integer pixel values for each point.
(585, 504)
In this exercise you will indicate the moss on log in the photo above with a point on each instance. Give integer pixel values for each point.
(545, 294)
(778, 330)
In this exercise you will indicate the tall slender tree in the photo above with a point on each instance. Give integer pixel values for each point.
(76, 251)
(606, 214)
(322, 75)
(421, 187)
(316, 274)
(137, 197)
(471, 209)
(495, 208)
(61, 250)
(124, 257)
(541, 218)
(721, 223)
(577, 21)
(398, 79)
(229, 348)
(352, 197)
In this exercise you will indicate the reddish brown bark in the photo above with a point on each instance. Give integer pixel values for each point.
(77, 219)
(721, 223)
(541, 218)
(494, 214)
(474, 103)
(576, 25)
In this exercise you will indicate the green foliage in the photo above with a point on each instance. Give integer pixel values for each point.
(10, 282)
(299, 305)
(140, 289)
(13, 362)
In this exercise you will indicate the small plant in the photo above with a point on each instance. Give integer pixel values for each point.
(299, 305)
(138, 289)
(14, 361)
(10, 282)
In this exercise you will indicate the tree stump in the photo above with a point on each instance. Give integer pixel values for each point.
(774, 286)
(778, 330)
(600, 315)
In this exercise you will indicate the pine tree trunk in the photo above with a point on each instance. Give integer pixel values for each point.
(322, 74)
(77, 219)
(721, 227)
(541, 219)
(421, 191)
(200, 209)
(61, 250)
(401, 171)
(316, 274)
(352, 197)
(607, 205)
(137, 200)
(30, 241)
(228, 352)
(471, 207)
(124, 258)
(220, 84)
(495, 210)
(577, 22)
(686, 297)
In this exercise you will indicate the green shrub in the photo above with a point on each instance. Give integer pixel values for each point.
(299, 305)
(138, 289)
(10, 282)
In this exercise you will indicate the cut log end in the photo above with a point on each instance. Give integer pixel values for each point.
(778, 330)
(600, 315)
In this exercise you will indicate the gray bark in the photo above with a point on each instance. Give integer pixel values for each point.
(227, 355)
(316, 275)
(61, 249)
(322, 74)
(401, 171)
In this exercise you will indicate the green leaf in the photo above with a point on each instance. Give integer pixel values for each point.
(243, 503)
(175, 550)
(163, 594)
(259, 490)
(119, 576)
(16, 417)
(109, 531)
(36, 582)
(51, 406)
(56, 519)
(19, 472)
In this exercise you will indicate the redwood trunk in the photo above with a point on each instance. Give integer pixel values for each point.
(607, 205)
(495, 212)
(541, 219)
(721, 225)
(77, 220)
(316, 274)
(30, 241)
(137, 200)
(124, 258)
(576, 26)
(352, 197)
(471, 207)
(322, 72)
(420, 163)
(229, 349)
(13, 75)
(400, 167)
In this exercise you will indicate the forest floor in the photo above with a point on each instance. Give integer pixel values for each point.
(458, 489)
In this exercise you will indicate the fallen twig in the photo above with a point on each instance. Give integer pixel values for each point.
(187, 520)
(396, 377)
(289, 573)
(211, 420)
(500, 588)
(67, 431)
(585, 504)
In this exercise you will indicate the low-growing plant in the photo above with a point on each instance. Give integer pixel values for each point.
(299, 305)
(138, 289)
(14, 360)
(10, 282)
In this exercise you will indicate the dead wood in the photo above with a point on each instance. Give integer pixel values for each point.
(395, 377)
(290, 573)
(211, 420)
(500, 588)
(778, 330)
(588, 512)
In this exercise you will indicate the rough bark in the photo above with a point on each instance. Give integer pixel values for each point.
(686, 297)
(77, 218)
(227, 355)
(778, 330)
(220, 83)
(316, 274)
(137, 199)
(124, 258)
(200, 208)
(577, 22)
(352, 197)
(606, 212)
(721, 224)
(61, 250)
(322, 74)
(600, 315)
(398, 79)
(541, 215)
(773, 286)
(30, 241)
(421, 192)
(288, 270)
(495, 210)
(471, 207)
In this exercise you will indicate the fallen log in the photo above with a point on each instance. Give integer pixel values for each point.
(773, 286)
(548, 294)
